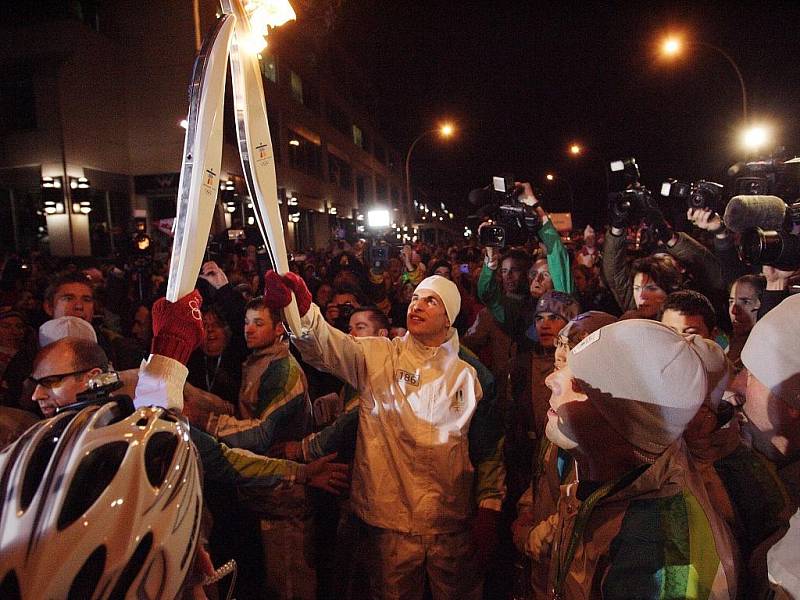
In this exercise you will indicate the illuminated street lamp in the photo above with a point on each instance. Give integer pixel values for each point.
(445, 130)
(575, 149)
(550, 177)
(755, 137)
(672, 46)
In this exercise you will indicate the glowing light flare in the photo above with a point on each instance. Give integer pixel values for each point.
(252, 42)
(447, 130)
(671, 46)
(378, 218)
(550, 177)
(575, 149)
(755, 137)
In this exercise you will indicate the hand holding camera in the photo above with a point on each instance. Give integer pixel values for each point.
(705, 218)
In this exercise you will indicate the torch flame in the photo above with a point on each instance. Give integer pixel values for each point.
(268, 13)
(262, 15)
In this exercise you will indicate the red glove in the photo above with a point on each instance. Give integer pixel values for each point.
(178, 327)
(278, 291)
(484, 535)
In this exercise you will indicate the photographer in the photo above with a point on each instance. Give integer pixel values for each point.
(508, 306)
(724, 243)
(680, 246)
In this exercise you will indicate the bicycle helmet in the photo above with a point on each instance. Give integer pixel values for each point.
(99, 503)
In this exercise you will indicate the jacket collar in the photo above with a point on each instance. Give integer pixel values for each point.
(450, 347)
(662, 478)
(280, 349)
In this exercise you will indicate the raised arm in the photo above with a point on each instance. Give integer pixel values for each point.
(322, 346)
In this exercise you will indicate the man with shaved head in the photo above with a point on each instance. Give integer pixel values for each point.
(63, 369)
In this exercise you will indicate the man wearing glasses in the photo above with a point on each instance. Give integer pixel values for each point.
(63, 369)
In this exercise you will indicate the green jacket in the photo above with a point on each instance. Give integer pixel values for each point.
(653, 536)
(508, 310)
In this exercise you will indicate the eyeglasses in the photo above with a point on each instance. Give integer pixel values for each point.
(52, 381)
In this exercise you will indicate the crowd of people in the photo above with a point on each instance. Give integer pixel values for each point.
(579, 418)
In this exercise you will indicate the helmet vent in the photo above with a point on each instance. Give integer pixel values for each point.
(39, 461)
(85, 582)
(158, 456)
(133, 567)
(9, 587)
(91, 479)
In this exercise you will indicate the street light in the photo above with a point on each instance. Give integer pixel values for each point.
(755, 137)
(575, 149)
(672, 47)
(445, 130)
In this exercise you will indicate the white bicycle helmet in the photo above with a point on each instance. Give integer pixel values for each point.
(99, 503)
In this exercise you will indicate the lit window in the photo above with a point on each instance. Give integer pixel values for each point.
(297, 86)
(269, 67)
(358, 136)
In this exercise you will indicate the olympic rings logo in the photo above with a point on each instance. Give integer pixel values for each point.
(195, 306)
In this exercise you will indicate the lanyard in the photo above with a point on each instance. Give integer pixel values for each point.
(563, 563)
(210, 381)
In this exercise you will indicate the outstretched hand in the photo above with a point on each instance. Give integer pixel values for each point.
(278, 291)
(178, 326)
(327, 475)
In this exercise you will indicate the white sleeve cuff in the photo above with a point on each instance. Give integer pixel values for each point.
(161, 381)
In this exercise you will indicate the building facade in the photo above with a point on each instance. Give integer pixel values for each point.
(90, 138)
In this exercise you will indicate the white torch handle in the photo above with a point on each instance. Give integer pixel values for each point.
(202, 157)
(255, 149)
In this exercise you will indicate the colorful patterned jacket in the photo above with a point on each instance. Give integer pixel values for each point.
(274, 388)
(656, 538)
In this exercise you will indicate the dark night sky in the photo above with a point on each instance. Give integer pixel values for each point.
(524, 79)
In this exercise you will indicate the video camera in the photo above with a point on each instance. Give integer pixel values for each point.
(698, 195)
(628, 201)
(778, 248)
(379, 256)
(99, 390)
(771, 176)
(516, 222)
(765, 212)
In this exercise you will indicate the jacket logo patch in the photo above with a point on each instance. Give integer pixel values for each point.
(409, 378)
(457, 402)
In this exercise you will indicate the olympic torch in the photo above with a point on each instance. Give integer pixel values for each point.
(252, 127)
(239, 33)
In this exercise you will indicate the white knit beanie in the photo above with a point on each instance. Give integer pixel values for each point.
(772, 351)
(446, 290)
(646, 380)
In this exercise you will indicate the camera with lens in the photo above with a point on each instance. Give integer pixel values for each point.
(515, 221)
(342, 322)
(698, 195)
(628, 200)
(631, 205)
(99, 390)
(379, 257)
(778, 248)
(772, 176)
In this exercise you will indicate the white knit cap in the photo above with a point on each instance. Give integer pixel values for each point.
(55, 329)
(446, 290)
(646, 380)
(772, 351)
(718, 370)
